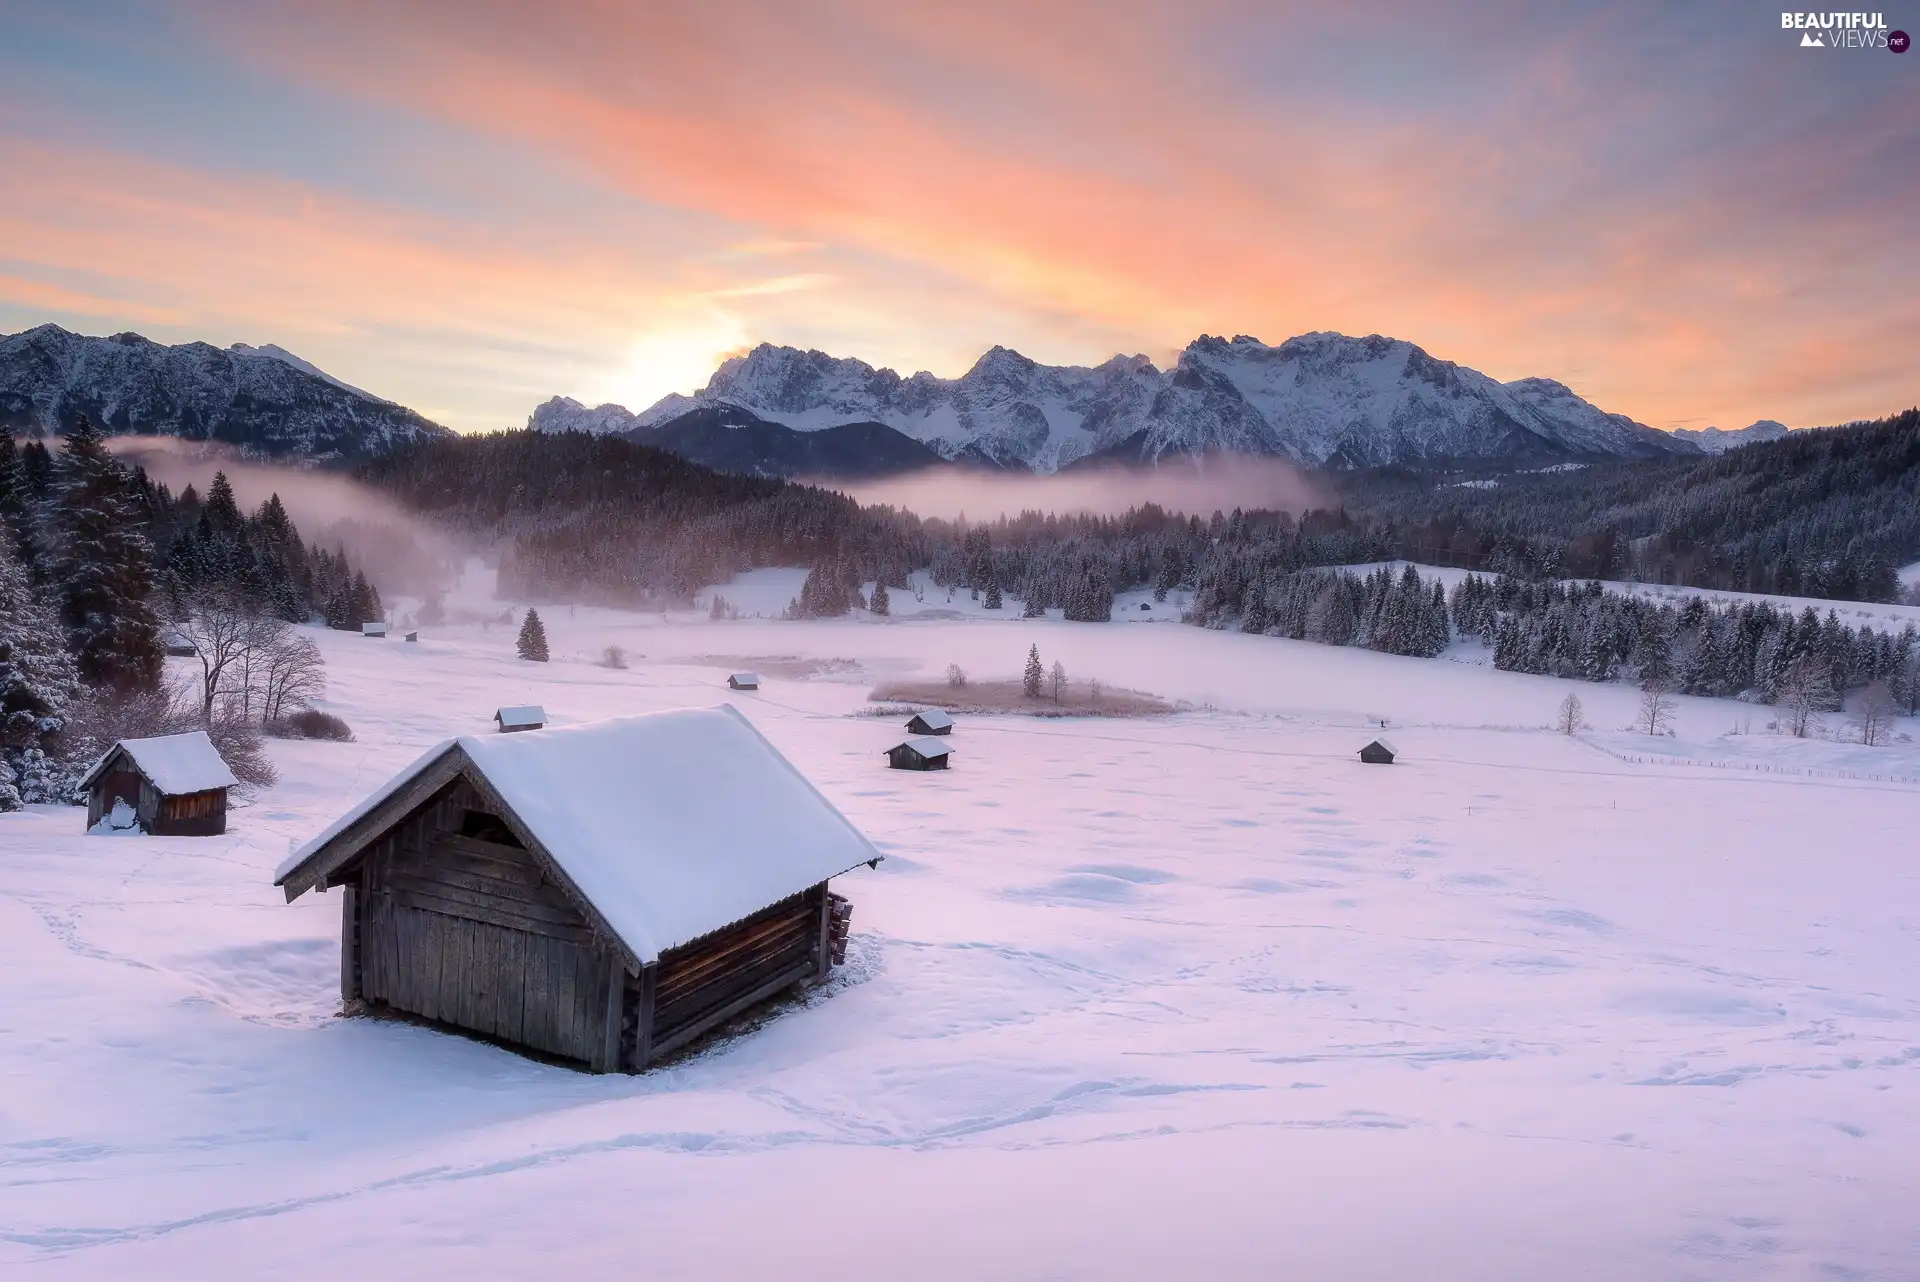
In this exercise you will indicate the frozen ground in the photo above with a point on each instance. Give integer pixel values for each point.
(1192, 998)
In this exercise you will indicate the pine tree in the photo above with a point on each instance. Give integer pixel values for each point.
(37, 678)
(103, 565)
(222, 510)
(993, 601)
(532, 643)
(881, 603)
(1035, 675)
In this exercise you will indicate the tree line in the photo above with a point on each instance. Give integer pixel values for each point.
(102, 570)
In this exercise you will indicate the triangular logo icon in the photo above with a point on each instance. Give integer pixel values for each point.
(1811, 41)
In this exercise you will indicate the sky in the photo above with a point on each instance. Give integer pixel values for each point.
(471, 206)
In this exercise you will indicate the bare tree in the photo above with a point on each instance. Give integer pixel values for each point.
(1873, 715)
(956, 676)
(1572, 718)
(292, 674)
(613, 657)
(218, 627)
(1093, 690)
(1805, 692)
(1656, 708)
(1057, 679)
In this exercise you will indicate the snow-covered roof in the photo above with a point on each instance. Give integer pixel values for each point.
(525, 714)
(671, 824)
(373, 629)
(745, 678)
(1382, 743)
(176, 764)
(927, 746)
(934, 717)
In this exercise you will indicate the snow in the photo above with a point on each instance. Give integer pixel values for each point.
(526, 714)
(177, 764)
(121, 821)
(928, 746)
(1197, 996)
(672, 824)
(1314, 397)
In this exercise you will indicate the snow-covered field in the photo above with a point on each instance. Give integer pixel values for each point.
(1199, 997)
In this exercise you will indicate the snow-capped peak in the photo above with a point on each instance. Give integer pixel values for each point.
(1321, 398)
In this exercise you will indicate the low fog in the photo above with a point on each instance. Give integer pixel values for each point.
(1195, 487)
(399, 552)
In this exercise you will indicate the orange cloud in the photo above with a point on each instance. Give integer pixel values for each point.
(1072, 178)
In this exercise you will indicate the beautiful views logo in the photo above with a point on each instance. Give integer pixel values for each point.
(1844, 31)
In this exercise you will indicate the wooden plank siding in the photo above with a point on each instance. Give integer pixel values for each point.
(470, 932)
(700, 984)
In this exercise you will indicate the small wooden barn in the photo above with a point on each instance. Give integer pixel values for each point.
(932, 721)
(601, 893)
(919, 754)
(526, 716)
(373, 629)
(1377, 753)
(413, 636)
(744, 681)
(171, 786)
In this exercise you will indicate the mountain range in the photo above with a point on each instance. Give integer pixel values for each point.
(261, 400)
(1321, 400)
(1714, 440)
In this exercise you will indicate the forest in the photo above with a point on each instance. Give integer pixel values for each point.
(1828, 513)
(103, 571)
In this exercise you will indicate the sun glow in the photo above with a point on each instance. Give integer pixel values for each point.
(676, 358)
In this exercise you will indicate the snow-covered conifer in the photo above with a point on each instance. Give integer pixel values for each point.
(532, 642)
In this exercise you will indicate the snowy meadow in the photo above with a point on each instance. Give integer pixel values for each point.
(1195, 995)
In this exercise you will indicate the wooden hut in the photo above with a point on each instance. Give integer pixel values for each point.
(601, 893)
(171, 786)
(932, 721)
(744, 681)
(413, 636)
(373, 629)
(526, 716)
(919, 754)
(1377, 753)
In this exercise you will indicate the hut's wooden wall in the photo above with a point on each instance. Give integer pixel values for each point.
(710, 980)
(119, 782)
(193, 814)
(467, 930)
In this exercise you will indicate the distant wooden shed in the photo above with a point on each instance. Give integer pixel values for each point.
(602, 893)
(919, 754)
(744, 681)
(170, 786)
(526, 716)
(413, 636)
(932, 721)
(1378, 753)
(373, 629)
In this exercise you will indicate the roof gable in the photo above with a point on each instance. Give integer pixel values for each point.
(176, 764)
(927, 746)
(524, 714)
(933, 718)
(668, 825)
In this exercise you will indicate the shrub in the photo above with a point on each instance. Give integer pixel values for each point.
(311, 723)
